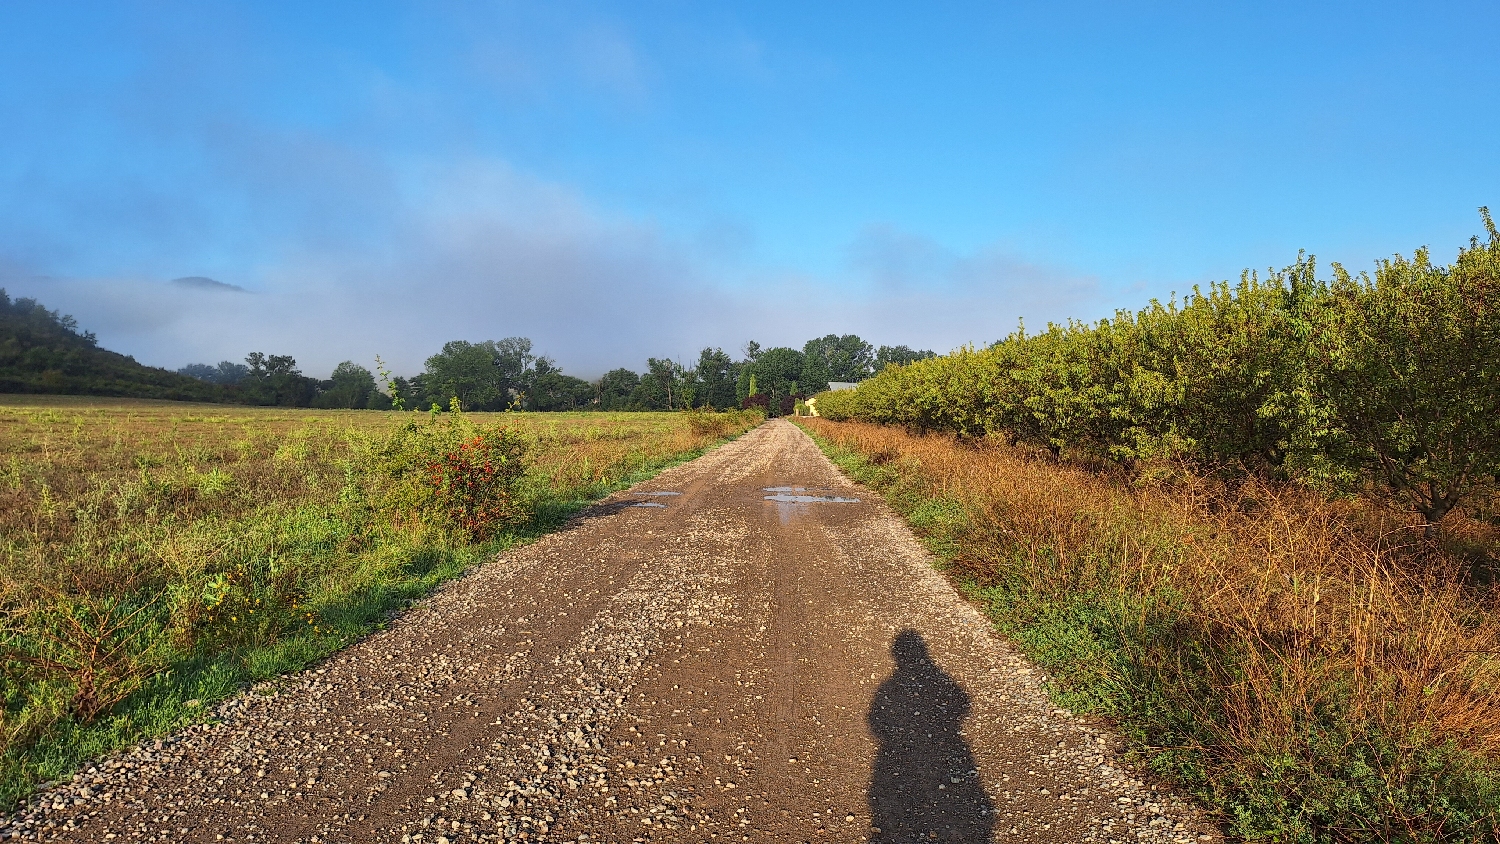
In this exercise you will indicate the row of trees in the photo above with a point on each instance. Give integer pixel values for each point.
(771, 378)
(275, 380)
(1388, 383)
(507, 375)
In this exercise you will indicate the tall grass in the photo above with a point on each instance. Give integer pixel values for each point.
(155, 557)
(1311, 670)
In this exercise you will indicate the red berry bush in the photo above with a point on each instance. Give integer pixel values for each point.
(474, 484)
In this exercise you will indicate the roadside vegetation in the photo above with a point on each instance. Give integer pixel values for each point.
(1258, 530)
(1307, 668)
(157, 557)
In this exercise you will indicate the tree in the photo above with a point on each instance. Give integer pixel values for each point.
(43, 351)
(351, 386)
(492, 375)
(466, 371)
(668, 375)
(615, 389)
(517, 367)
(412, 391)
(835, 358)
(276, 380)
(552, 390)
(901, 355)
(716, 375)
(660, 388)
(1409, 367)
(777, 373)
(201, 371)
(226, 372)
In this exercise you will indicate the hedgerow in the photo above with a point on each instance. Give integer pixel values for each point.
(1386, 384)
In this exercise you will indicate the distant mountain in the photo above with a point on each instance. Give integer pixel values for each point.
(42, 351)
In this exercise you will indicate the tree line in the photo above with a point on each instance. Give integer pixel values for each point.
(497, 375)
(1386, 383)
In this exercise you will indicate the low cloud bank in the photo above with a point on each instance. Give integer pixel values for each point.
(481, 252)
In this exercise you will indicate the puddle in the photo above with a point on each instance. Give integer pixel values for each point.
(792, 501)
(788, 498)
(656, 493)
(648, 504)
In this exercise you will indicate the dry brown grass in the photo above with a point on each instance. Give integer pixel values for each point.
(1284, 629)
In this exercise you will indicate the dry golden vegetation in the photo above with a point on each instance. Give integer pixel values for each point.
(1315, 671)
(156, 556)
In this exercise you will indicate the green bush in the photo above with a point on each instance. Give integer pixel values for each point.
(1388, 385)
(1404, 379)
(451, 471)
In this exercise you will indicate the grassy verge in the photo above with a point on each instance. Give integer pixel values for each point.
(1305, 671)
(158, 557)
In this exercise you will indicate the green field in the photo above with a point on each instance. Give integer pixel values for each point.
(157, 556)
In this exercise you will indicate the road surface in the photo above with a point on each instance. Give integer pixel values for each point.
(722, 654)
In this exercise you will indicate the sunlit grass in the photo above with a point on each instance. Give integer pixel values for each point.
(157, 556)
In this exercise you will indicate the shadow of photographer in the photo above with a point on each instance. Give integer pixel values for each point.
(925, 785)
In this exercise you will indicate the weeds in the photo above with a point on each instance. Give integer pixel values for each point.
(155, 554)
(1312, 670)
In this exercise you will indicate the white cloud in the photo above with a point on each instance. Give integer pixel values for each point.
(478, 251)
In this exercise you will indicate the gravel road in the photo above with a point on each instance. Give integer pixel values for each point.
(689, 661)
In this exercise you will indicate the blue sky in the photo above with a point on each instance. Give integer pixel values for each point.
(632, 179)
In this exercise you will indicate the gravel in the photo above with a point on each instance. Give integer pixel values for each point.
(723, 668)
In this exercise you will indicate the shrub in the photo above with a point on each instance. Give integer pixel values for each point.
(1388, 385)
(707, 423)
(474, 484)
(452, 472)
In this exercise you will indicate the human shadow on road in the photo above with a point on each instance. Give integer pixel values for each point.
(925, 780)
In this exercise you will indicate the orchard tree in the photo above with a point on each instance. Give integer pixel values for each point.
(1407, 368)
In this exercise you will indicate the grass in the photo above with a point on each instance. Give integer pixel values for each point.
(1311, 670)
(156, 557)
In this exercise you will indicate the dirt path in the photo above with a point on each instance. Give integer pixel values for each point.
(705, 665)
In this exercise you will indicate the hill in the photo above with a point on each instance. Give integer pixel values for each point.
(42, 351)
